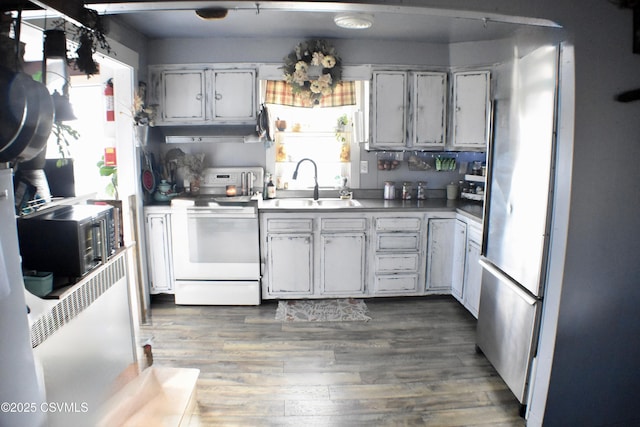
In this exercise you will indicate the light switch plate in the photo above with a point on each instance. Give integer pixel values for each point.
(364, 166)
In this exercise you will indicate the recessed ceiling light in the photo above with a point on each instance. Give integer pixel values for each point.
(353, 21)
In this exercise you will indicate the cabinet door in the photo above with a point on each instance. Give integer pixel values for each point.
(459, 252)
(440, 253)
(429, 109)
(290, 263)
(471, 107)
(234, 96)
(389, 109)
(183, 96)
(473, 278)
(159, 262)
(342, 263)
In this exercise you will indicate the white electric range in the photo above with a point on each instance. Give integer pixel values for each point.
(215, 239)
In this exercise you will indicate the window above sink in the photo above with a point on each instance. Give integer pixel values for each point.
(320, 134)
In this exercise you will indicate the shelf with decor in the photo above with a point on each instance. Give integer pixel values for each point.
(475, 178)
(473, 187)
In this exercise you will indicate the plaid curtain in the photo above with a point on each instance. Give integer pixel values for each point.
(280, 92)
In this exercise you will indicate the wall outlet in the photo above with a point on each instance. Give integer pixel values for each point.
(364, 166)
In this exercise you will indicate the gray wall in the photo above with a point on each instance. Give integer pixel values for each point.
(352, 52)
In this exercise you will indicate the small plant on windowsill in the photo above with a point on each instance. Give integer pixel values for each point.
(110, 171)
(341, 127)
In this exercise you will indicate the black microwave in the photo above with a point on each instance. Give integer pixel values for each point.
(67, 240)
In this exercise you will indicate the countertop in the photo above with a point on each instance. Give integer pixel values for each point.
(470, 209)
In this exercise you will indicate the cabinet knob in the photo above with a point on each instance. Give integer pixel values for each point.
(199, 97)
(218, 96)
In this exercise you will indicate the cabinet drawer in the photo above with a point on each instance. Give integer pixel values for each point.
(398, 224)
(397, 263)
(398, 242)
(396, 283)
(287, 225)
(343, 224)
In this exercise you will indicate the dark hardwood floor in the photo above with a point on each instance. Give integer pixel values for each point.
(414, 363)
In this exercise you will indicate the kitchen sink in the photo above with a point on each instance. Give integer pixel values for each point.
(338, 203)
(296, 203)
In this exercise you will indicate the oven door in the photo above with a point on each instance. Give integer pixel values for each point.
(220, 243)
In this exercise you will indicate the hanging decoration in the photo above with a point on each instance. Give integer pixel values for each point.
(313, 69)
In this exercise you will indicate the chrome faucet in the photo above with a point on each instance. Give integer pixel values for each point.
(315, 176)
(344, 191)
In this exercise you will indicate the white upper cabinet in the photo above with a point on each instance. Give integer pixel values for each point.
(429, 110)
(389, 110)
(183, 96)
(234, 95)
(203, 95)
(408, 110)
(471, 108)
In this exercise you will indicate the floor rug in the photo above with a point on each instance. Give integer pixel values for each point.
(324, 310)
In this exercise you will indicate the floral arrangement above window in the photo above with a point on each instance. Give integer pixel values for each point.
(313, 69)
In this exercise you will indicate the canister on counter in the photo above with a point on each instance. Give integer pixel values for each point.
(421, 191)
(389, 190)
(406, 190)
(452, 191)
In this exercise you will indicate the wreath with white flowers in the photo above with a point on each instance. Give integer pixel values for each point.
(313, 69)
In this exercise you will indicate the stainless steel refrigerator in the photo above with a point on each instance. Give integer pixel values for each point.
(517, 217)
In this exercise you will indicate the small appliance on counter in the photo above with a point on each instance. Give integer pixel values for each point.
(67, 240)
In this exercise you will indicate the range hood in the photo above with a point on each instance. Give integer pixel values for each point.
(243, 134)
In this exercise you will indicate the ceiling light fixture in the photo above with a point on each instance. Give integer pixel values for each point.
(212, 13)
(353, 21)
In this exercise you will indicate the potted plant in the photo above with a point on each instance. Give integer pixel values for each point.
(90, 38)
(143, 115)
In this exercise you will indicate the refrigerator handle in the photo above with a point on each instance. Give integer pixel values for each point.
(487, 265)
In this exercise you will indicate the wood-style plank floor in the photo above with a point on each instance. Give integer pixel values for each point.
(414, 363)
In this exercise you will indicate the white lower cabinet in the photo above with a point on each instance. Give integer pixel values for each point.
(342, 256)
(445, 264)
(370, 254)
(290, 264)
(473, 270)
(458, 261)
(158, 249)
(314, 255)
(288, 255)
(398, 251)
